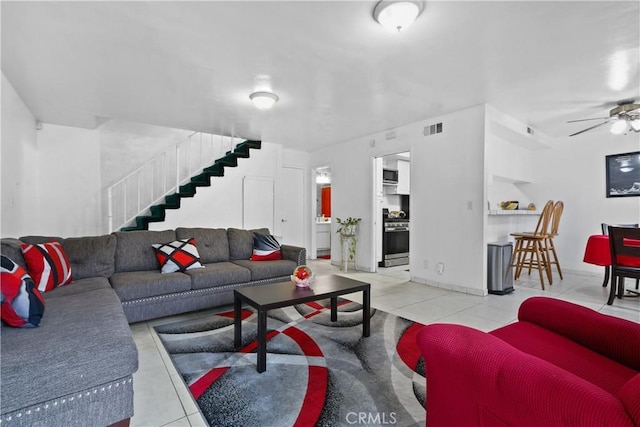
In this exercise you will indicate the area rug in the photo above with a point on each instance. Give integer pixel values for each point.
(318, 372)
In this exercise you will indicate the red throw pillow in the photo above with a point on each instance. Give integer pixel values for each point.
(22, 304)
(48, 265)
(265, 248)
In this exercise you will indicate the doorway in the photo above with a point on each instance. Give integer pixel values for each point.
(322, 218)
(392, 213)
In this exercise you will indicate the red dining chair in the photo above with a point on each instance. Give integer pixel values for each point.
(625, 260)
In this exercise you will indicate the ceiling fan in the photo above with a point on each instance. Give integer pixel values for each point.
(625, 117)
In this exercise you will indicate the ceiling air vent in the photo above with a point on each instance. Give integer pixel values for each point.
(432, 129)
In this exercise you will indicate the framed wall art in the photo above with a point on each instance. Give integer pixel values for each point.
(623, 174)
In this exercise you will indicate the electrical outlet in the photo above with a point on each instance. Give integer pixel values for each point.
(440, 268)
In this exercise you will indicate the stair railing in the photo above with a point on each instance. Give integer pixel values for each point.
(162, 175)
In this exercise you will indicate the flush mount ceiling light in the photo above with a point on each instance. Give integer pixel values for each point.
(397, 15)
(263, 100)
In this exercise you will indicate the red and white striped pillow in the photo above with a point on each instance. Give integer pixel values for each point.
(48, 265)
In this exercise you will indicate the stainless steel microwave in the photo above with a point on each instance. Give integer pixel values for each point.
(389, 176)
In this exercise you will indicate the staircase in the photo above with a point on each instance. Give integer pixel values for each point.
(155, 212)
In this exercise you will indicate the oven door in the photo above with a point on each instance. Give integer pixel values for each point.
(396, 243)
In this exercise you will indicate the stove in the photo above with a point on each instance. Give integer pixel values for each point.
(395, 242)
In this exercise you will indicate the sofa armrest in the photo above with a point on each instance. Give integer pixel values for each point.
(474, 378)
(294, 253)
(613, 337)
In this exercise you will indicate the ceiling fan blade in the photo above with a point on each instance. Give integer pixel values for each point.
(584, 120)
(593, 127)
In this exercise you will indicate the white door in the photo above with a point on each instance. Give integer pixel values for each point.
(292, 212)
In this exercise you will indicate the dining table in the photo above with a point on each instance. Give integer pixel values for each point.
(598, 252)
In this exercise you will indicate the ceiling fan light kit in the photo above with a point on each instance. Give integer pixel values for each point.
(619, 126)
(263, 100)
(623, 118)
(396, 15)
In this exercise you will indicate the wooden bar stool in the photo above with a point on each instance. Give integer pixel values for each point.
(530, 249)
(550, 248)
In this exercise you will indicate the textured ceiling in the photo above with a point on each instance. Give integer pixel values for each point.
(339, 75)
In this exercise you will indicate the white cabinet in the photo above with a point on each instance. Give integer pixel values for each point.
(323, 240)
(404, 179)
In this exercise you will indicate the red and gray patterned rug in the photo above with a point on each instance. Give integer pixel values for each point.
(318, 373)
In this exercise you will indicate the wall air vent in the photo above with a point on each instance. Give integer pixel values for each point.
(390, 135)
(432, 129)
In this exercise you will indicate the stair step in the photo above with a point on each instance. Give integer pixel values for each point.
(202, 180)
(187, 190)
(172, 201)
(214, 170)
(157, 211)
(228, 160)
(252, 144)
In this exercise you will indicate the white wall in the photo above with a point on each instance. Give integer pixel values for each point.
(70, 186)
(574, 171)
(447, 176)
(19, 162)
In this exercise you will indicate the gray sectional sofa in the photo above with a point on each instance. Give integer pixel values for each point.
(76, 368)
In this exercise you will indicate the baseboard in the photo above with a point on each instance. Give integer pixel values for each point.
(450, 286)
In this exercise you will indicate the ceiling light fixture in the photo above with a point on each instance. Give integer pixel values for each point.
(635, 124)
(396, 15)
(263, 100)
(619, 126)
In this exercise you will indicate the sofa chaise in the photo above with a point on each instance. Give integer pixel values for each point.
(560, 364)
(76, 367)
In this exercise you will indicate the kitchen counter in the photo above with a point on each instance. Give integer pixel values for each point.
(323, 220)
(513, 212)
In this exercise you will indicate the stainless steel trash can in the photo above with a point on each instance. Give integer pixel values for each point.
(499, 269)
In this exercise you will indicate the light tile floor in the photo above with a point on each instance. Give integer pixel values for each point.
(162, 399)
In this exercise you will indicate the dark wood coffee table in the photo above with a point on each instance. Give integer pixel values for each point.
(277, 295)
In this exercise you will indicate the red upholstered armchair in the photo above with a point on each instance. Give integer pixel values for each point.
(561, 364)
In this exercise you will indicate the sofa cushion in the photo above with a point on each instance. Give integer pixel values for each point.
(212, 243)
(12, 249)
(566, 354)
(265, 248)
(47, 264)
(22, 304)
(133, 285)
(241, 242)
(630, 397)
(218, 274)
(82, 342)
(92, 256)
(134, 251)
(79, 286)
(261, 270)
